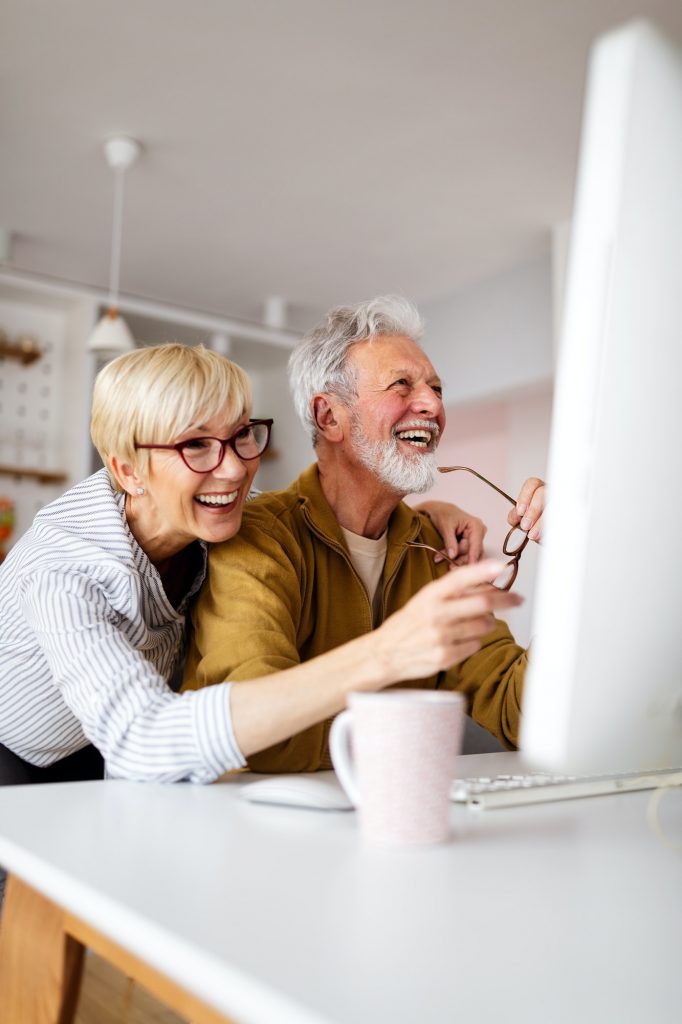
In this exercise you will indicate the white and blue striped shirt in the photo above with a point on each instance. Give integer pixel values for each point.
(88, 642)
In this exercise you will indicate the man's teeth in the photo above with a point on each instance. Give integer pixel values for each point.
(217, 499)
(421, 438)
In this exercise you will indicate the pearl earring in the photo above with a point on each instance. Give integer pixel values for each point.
(140, 491)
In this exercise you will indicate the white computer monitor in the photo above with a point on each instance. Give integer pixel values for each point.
(604, 687)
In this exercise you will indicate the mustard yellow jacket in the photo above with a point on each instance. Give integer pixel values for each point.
(284, 590)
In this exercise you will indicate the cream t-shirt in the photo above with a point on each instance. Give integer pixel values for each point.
(368, 557)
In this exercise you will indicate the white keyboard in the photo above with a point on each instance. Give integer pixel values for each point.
(530, 788)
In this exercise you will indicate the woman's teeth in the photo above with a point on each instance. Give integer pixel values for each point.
(217, 499)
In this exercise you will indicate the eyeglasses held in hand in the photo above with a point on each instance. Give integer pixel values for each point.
(514, 542)
(204, 454)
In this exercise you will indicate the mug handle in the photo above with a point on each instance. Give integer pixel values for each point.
(342, 758)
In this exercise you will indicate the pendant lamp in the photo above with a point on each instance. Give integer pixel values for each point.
(111, 335)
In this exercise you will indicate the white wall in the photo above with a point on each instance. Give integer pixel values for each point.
(291, 451)
(495, 337)
(506, 440)
(493, 347)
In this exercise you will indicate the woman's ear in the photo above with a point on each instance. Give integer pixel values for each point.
(126, 475)
(328, 416)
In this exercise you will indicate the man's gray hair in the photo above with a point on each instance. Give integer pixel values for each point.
(318, 362)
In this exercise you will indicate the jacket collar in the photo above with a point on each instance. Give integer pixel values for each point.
(403, 524)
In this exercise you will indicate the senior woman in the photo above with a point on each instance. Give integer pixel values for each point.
(93, 599)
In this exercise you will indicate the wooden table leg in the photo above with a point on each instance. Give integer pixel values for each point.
(40, 964)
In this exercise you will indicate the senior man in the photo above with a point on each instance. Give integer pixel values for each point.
(326, 559)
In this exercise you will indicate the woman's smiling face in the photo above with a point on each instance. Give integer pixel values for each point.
(180, 506)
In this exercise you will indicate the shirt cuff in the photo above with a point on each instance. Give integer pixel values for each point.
(213, 725)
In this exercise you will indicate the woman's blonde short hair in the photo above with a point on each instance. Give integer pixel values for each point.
(153, 395)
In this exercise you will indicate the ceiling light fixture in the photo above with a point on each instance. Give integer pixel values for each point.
(112, 334)
(275, 312)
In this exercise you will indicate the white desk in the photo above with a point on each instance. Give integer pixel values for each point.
(558, 913)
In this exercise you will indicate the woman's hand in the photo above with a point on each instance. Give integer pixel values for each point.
(442, 624)
(527, 513)
(462, 533)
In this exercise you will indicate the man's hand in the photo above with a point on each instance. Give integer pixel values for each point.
(527, 513)
(462, 533)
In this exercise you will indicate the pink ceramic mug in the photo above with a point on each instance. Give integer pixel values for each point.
(394, 754)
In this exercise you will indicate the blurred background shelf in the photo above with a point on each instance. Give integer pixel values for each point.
(24, 349)
(43, 476)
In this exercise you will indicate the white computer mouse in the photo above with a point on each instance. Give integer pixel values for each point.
(320, 791)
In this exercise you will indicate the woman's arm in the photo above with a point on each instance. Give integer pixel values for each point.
(94, 648)
(147, 732)
(462, 533)
(442, 625)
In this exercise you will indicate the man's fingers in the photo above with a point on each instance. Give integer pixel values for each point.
(536, 532)
(514, 517)
(535, 509)
(526, 493)
(527, 496)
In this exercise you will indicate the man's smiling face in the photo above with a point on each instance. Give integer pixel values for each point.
(398, 416)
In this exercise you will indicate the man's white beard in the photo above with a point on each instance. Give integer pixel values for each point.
(396, 469)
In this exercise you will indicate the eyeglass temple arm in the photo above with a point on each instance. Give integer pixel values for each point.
(465, 469)
(430, 547)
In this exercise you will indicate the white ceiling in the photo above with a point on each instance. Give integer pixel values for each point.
(322, 150)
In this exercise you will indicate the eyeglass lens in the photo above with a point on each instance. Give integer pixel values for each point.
(515, 541)
(506, 577)
(204, 454)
